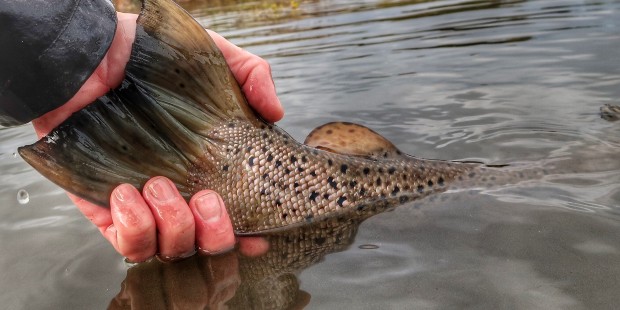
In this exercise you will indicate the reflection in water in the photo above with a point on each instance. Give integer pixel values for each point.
(265, 282)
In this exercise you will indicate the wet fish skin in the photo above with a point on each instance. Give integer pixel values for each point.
(271, 181)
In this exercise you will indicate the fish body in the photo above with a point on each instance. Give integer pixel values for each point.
(180, 113)
(278, 182)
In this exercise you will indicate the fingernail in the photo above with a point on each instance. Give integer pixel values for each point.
(209, 208)
(125, 193)
(162, 189)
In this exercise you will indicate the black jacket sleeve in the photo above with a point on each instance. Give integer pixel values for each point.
(47, 51)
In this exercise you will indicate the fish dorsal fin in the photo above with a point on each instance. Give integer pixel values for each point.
(175, 59)
(351, 139)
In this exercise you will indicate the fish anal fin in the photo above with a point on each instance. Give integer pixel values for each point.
(351, 139)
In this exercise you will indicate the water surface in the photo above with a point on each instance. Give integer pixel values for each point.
(491, 81)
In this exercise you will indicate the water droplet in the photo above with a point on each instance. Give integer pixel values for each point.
(14, 155)
(23, 197)
(368, 246)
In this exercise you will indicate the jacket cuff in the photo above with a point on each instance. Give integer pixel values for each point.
(43, 74)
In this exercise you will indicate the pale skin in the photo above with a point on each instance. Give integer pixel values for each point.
(158, 220)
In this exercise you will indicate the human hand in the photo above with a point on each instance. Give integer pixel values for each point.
(159, 220)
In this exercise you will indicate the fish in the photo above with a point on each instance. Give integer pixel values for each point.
(180, 113)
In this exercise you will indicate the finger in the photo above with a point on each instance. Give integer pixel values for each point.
(214, 231)
(101, 217)
(253, 246)
(133, 232)
(175, 222)
(254, 75)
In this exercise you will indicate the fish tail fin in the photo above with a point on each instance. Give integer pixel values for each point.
(177, 88)
(110, 142)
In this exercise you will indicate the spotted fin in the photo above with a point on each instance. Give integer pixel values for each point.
(351, 139)
(177, 87)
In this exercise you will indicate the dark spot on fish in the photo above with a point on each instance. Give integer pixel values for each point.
(181, 85)
(315, 152)
(231, 125)
(313, 173)
(262, 192)
(420, 188)
(391, 170)
(278, 163)
(344, 168)
(430, 183)
(251, 161)
(331, 182)
(362, 191)
(237, 151)
(396, 190)
(471, 174)
(264, 149)
(304, 159)
(124, 147)
(399, 152)
(330, 162)
(287, 170)
(300, 169)
(380, 170)
(319, 240)
(341, 200)
(278, 202)
(270, 141)
(177, 71)
(225, 168)
(329, 132)
(440, 181)
(383, 196)
(284, 215)
(313, 196)
(378, 182)
(361, 207)
(403, 199)
(326, 196)
(366, 170)
(309, 218)
(422, 168)
(249, 148)
(293, 159)
(263, 126)
(460, 178)
(385, 155)
(352, 183)
(265, 176)
(269, 157)
(265, 136)
(404, 177)
(295, 184)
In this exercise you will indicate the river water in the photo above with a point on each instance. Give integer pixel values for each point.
(492, 81)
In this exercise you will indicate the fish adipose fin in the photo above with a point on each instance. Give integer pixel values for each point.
(177, 87)
(351, 139)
